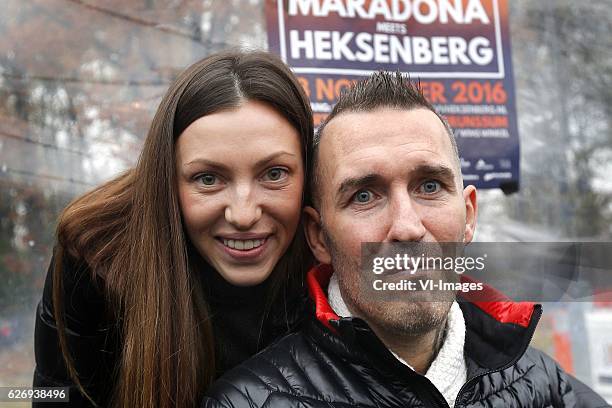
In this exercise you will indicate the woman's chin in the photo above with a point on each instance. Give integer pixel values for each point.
(245, 276)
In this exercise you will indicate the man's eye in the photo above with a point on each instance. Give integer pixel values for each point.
(275, 174)
(363, 196)
(430, 187)
(207, 179)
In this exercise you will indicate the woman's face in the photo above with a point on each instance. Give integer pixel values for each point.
(240, 180)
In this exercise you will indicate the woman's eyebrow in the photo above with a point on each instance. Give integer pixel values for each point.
(206, 162)
(272, 157)
(218, 165)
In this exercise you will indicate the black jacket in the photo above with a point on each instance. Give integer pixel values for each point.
(239, 327)
(339, 362)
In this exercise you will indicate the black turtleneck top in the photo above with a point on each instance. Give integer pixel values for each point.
(244, 321)
(242, 325)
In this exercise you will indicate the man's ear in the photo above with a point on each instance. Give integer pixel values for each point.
(471, 211)
(314, 235)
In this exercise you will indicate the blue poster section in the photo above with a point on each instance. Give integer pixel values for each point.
(459, 50)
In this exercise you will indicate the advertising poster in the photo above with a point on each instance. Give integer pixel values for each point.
(459, 50)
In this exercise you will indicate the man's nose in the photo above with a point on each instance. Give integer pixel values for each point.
(243, 211)
(406, 224)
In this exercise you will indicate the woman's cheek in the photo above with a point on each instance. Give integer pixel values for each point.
(200, 212)
(288, 210)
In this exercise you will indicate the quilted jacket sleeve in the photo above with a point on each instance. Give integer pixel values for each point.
(567, 390)
(585, 396)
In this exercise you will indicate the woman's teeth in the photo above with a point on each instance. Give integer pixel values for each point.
(243, 245)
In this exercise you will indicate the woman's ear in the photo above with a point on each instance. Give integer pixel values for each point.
(314, 235)
(471, 211)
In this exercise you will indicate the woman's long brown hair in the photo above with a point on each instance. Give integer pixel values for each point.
(129, 232)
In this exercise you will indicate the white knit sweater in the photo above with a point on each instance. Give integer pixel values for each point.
(448, 372)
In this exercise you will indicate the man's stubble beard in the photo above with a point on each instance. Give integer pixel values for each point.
(396, 318)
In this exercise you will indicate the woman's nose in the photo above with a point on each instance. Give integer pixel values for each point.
(244, 210)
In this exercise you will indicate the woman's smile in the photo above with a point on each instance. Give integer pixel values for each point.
(245, 251)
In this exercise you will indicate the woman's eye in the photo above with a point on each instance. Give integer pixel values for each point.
(207, 179)
(275, 174)
(363, 196)
(430, 187)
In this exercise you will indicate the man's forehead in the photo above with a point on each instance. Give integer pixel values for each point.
(356, 136)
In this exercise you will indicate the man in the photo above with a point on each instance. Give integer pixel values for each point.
(386, 169)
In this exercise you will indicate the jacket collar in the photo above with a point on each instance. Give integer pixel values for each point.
(498, 331)
(317, 280)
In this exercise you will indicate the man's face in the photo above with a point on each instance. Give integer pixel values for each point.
(389, 175)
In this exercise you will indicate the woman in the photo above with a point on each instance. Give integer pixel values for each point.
(193, 260)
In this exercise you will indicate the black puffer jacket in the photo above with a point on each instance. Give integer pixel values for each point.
(339, 362)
